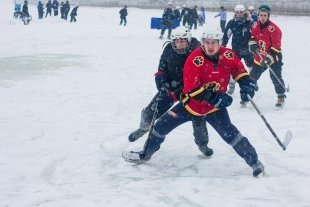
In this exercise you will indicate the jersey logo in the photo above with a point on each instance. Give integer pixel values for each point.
(271, 29)
(198, 61)
(229, 55)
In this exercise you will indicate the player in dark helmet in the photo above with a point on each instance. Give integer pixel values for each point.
(266, 44)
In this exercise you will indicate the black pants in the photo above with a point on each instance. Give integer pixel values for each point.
(123, 19)
(258, 70)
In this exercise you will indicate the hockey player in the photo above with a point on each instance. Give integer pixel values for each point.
(48, 8)
(73, 13)
(240, 29)
(184, 15)
(25, 9)
(169, 82)
(265, 44)
(167, 21)
(40, 10)
(206, 75)
(55, 6)
(123, 14)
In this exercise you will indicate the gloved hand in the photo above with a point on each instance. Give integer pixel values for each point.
(161, 80)
(215, 98)
(276, 54)
(253, 46)
(267, 61)
(165, 96)
(208, 91)
(220, 100)
(247, 87)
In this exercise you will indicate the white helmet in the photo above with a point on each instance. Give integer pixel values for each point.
(251, 8)
(239, 7)
(212, 34)
(181, 33)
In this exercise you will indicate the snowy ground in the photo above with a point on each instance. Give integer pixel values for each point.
(71, 93)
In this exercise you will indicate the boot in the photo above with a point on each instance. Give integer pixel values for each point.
(150, 147)
(202, 137)
(206, 150)
(281, 101)
(258, 168)
(243, 104)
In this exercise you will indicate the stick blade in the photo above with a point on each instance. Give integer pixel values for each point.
(287, 139)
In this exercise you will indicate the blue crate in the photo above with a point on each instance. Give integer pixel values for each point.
(156, 23)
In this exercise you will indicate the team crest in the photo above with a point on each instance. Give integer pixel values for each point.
(271, 28)
(198, 61)
(229, 55)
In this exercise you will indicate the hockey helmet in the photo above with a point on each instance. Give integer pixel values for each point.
(181, 33)
(239, 7)
(212, 34)
(264, 8)
(251, 8)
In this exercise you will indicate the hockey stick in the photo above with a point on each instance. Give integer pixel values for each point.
(287, 89)
(288, 135)
(154, 116)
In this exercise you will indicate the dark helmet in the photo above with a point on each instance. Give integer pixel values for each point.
(125, 6)
(221, 7)
(264, 8)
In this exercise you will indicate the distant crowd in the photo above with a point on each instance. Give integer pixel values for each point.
(63, 7)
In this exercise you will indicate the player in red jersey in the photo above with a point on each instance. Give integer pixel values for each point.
(206, 75)
(265, 44)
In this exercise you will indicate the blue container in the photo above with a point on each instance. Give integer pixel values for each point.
(156, 23)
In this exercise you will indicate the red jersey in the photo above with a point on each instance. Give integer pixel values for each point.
(198, 71)
(267, 37)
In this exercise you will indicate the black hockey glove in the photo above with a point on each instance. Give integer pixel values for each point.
(253, 46)
(215, 98)
(207, 92)
(220, 100)
(247, 87)
(276, 54)
(160, 81)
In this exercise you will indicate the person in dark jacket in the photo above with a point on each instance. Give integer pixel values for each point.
(240, 28)
(177, 13)
(192, 18)
(62, 10)
(184, 14)
(66, 10)
(169, 82)
(73, 13)
(40, 10)
(55, 6)
(167, 21)
(123, 14)
(48, 8)
(25, 9)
